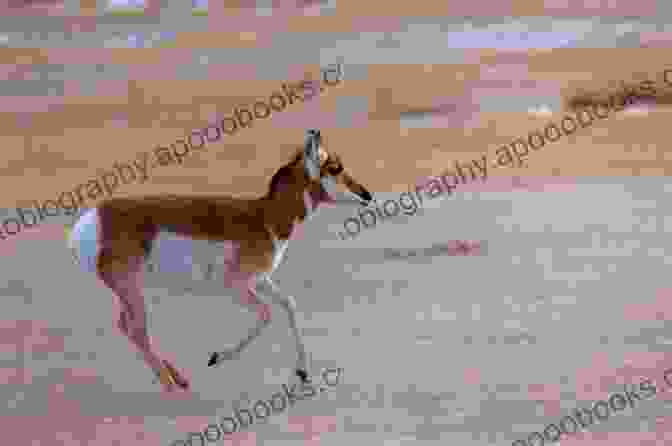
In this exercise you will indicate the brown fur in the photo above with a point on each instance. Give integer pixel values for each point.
(129, 225)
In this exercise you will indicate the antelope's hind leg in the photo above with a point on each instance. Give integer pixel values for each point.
(120, 267)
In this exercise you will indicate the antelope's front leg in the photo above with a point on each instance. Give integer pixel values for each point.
(250, 296)
(268, 288)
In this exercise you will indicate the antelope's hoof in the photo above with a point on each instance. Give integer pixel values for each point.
(303, 376)
(174, 376)
(166, 377)
(219, 357)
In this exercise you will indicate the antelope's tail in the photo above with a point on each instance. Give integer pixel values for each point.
(82, 239)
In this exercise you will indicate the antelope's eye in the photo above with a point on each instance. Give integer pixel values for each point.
(335, 170)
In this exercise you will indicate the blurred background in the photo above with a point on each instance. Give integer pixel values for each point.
(436, 347)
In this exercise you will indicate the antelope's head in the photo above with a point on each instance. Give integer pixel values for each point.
(325, 172)
(313, 177)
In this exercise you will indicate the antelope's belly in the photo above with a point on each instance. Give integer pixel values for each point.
(173, 253)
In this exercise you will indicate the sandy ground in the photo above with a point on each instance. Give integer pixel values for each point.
(565, 302)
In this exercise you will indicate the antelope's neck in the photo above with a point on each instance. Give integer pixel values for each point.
(283, 214)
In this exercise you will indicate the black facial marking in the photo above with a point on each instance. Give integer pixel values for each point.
(303, 375)
(335, 170)
(366, 195)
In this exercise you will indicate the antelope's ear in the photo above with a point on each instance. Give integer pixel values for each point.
(311, 154)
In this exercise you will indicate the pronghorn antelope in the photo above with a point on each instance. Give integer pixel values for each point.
(115, 240)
